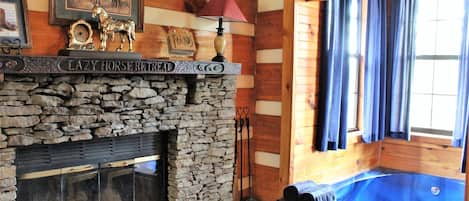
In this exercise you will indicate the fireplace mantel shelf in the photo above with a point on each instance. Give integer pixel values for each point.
(87, 65)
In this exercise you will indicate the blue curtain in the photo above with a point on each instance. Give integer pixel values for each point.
(388, 70)
(334, 81)
(375, 86)
(462, 112)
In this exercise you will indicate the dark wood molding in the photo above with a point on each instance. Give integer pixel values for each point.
(85, 65)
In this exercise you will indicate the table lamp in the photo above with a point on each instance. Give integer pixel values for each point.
(221, 10)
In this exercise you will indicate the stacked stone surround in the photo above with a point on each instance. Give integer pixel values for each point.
(49, 109)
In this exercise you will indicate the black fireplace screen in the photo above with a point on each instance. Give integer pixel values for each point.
(102, 179)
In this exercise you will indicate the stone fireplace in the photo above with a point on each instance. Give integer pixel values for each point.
(61, 105)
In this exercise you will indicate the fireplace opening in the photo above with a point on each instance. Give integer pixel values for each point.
(128, 168)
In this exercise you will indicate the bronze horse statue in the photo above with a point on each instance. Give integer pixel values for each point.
(108, 27)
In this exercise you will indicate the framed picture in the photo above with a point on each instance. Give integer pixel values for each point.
(14, 26)
(64, 12)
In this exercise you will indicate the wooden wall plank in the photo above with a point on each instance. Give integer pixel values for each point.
(245, 81)
(267, 159)
(47, 40)
(327, 167)
(249, 9)
(269, 30)
(269, 56)
(177, 5)
(266, 183)
(272, 108)
(268, 81)
(244, 53)
(267, 133)
(269, 5)
(415, 156)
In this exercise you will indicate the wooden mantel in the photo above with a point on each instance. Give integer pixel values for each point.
(87, 65)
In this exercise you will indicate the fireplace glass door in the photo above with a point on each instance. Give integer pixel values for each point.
(135, 182)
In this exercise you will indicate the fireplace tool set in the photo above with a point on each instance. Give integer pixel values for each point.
(242, 121)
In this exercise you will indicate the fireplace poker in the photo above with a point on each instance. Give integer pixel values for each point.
(236, 148)
(251, 196)
(241, 125)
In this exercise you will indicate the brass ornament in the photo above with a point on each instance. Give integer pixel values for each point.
(108, 27)
(80, 36)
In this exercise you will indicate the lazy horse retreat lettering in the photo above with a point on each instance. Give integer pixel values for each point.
(116, 66)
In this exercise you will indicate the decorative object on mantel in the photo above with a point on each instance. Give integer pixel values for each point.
(226, 10)
(64, 12)
(14, 26)
(181, 42)
(98, 65)
(80, 36)
(109, 27)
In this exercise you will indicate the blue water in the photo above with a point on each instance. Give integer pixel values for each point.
(387, 185)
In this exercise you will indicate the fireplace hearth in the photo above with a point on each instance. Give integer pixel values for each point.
(50, 110)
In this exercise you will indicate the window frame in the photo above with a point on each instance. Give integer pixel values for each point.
(433, 57)
(361, 34)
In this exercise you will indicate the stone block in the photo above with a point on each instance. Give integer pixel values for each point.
(142, 93)
(100, 88)
(18, 122)
(84, 136)
(82, 119)
(47, 135)
(20, 111)
(57, 140)
(20, 140)
(20, 86)
(46, 101)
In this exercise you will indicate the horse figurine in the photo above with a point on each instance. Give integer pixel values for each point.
(108, 27)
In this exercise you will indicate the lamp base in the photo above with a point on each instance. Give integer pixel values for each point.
(219, 58)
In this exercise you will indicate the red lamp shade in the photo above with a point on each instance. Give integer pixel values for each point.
(228, 9)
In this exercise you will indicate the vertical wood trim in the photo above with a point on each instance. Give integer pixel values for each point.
(286, 133)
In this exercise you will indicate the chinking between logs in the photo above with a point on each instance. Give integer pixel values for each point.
(115, 66)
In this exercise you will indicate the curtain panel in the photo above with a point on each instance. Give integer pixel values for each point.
(462, 109)
(388, 70)
(334, 78)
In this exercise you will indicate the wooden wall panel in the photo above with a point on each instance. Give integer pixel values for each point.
(177, 5)
(414, 156)
(307, 162)
(249, 9)
(244, 52)
(269, 29)
(266, 183)
(47, 40)
(268, 82)
(267, 133)
(327, 167)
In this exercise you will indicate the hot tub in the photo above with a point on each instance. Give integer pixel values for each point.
(389, 185)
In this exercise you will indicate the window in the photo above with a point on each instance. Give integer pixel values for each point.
(434, 85)
(354, 63)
